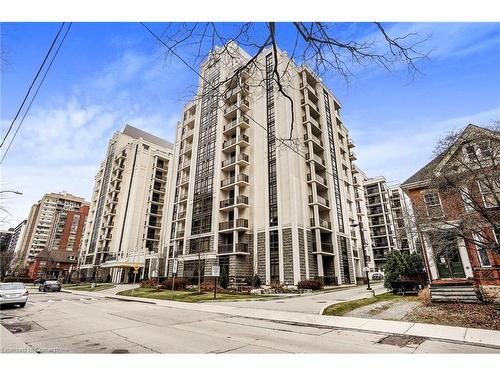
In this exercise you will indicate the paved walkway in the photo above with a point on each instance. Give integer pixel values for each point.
(312, 303)
(484, 337)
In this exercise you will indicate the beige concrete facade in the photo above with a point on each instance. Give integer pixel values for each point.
(127, 208)
(249, 196)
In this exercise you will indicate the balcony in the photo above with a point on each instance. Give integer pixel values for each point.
(320, 181)
(238, 224)
(184, 165)
(186, 149)
(311, 91)
(233, 248)
(183, 181)
(320, 201)
(231, 93)
(230, 111)
(182, 198)
(160, 177)
(179, 234)
(320, 162)
(187, 134)
(240, 179)
(350, 144)
(317, 143)
(315, 125)
(242, 121)
(313, 108)
(241, 159)
(239, 201)
(323, 225)
(352, 156)
(230, 144)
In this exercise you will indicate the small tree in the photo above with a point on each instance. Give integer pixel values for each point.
(256, 281)
(224, 278)
(398, 265)
(392, 267)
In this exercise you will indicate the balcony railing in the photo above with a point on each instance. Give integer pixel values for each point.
(241, 120)
(238, 223)
(232, 141)
(322, 223)
(240, 199)
(182, 197)
(316, 158)
(231, 180)
(234, 159)
(326, 247)
(316, 178)
(308, 137)
(320, 200)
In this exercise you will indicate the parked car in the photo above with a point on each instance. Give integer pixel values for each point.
(377, 276)
(50, 286)
(38, 282)
(13, 294)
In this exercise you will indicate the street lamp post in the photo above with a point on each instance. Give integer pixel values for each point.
(360, 225)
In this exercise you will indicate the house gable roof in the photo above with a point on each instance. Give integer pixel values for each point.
(436, 164)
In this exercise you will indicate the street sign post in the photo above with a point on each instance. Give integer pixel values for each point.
(136, 271)
(174, 272)
(215, 275)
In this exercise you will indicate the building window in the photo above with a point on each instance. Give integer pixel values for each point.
(490, 191)
(482, 252)
(433, 204)
(274, 258)
(467, 199)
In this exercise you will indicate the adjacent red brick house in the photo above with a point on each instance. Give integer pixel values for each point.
(61, 254)
(456, 203)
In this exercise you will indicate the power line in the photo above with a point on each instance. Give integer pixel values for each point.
(207, 82)
(36, 92)
(32, 83)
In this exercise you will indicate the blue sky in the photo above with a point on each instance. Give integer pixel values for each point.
(109, 74)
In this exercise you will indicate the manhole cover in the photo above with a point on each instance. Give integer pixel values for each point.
(120, 351)
(20, 327)
(401, 341)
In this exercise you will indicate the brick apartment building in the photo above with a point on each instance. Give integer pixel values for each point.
(60, 254)
(456, 201)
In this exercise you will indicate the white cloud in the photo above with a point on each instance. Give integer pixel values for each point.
(401, 151)
(62, 141)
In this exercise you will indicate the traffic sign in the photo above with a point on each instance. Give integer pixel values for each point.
(216, 271)
(136, 268)
(175, 265)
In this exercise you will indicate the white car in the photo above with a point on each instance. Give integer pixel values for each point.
(13, 294)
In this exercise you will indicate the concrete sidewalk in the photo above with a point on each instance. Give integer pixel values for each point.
(475, 336)
(11, 344)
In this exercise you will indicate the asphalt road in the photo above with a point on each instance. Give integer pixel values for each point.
(68, 323)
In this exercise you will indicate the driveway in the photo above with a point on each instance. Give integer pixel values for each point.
(310, 303)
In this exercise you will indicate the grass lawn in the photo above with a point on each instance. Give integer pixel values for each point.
(87, 288)
(343, 308)
(189, 296)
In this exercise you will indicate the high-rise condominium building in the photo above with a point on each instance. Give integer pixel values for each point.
(16, 238)
(46, 227)
(126, 212)
(252, 195)
(388, 219)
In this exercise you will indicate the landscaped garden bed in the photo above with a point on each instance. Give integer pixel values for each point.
(419, 309)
